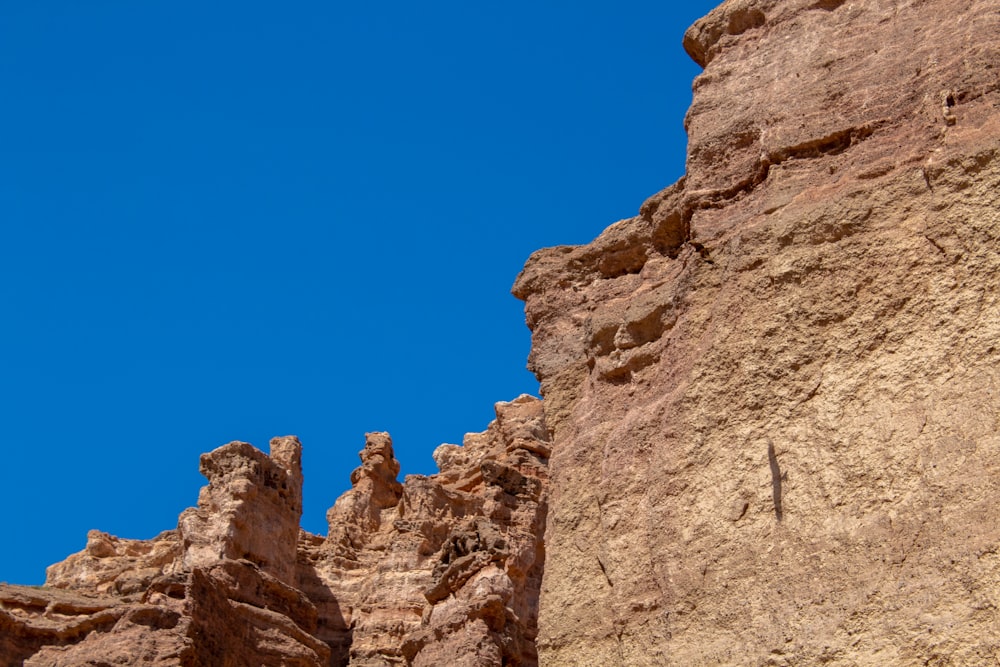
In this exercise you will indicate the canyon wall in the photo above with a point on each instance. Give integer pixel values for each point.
(775, 393)
(770, 432)
(440, 569)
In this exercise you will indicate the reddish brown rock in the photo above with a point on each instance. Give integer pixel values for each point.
(442, 569)
(439, 570)
(772, 405)
(31, 619)
(250, 509)
(775, 393)
(112, 565)
(216, 591)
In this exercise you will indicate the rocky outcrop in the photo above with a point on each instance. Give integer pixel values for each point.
(771, 403)
(250, 509)
(443, 569)
(775, 392)
(218, 590)
(439, 569)
(116, 566)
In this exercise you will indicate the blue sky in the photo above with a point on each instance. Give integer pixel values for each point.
(229, 221)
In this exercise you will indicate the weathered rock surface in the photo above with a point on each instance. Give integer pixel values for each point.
(250, 509)
(775, 393)
(215, 591)
(443, 569)
(772, 405)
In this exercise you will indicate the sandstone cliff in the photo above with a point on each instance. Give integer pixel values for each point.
(775, 394)
(437, 570)
(771, 401)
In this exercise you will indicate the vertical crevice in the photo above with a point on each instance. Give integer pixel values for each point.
(772, 459)
(604, 571)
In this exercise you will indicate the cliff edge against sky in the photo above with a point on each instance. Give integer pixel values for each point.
(770, 426)
(774, 393)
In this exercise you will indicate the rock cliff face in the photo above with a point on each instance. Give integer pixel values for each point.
(771, 401)
(775, 394)
(443, 569)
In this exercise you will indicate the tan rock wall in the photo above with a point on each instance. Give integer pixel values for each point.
(772, 413)
(775, 392)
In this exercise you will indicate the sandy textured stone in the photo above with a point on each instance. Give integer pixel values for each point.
(111, 564)
(250, 509)
(775, 393)
(32, 618)
(444, 569)
(216, 591)
(772, 412)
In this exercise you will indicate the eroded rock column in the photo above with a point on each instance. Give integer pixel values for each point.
(250, 509)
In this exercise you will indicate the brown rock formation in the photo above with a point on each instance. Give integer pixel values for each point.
(216, 591)
(439, 570)
(250, 509)
(775, 393)
(772, 404)
(442, 569)
(116, 566)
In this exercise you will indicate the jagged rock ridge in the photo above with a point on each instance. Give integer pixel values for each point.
(442, 569)
(771, 400)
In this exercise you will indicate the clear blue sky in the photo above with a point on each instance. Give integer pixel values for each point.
(234, 220)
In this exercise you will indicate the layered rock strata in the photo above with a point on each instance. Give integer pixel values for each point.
(772, 404)
(775, 393)
(218, 590)
(442, 569)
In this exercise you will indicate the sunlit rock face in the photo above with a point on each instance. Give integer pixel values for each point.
(775, 393)
(251, 508)
(220, 589)
(770, 432)
(443, 569)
